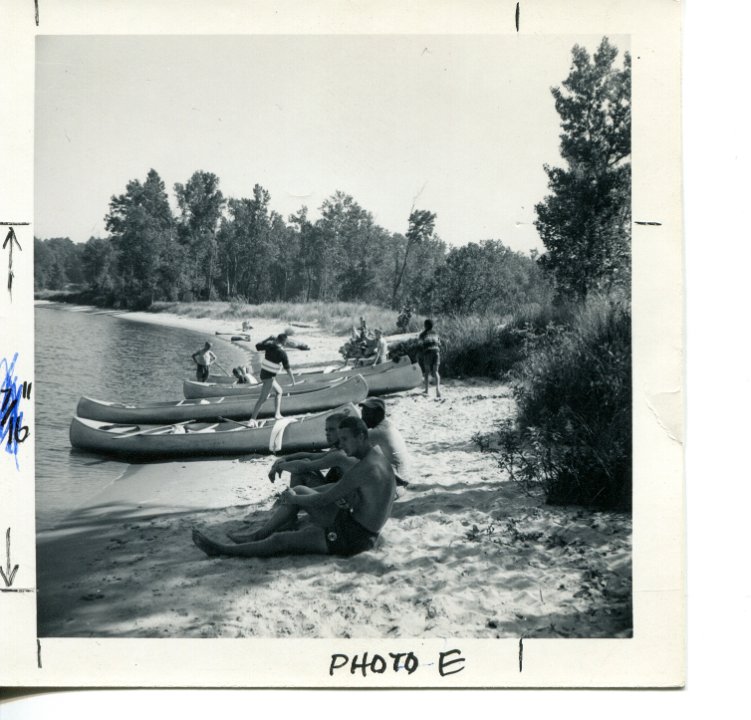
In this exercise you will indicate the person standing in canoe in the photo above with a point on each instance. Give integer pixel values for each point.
(203, 359)
(274, 359)
(430, 356)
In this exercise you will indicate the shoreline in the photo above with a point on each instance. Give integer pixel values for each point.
(466, 553)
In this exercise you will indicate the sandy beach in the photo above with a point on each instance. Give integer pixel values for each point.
(467, 553)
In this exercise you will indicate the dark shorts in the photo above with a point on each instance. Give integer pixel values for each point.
(202, 373)
(265, 375)
(431, 359)
(346, 537)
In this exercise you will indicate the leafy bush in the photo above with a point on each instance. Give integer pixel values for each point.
(573, 432)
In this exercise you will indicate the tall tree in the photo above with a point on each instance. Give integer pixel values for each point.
(585, 224)
(201, 202)
(140, 222)
(420, 230)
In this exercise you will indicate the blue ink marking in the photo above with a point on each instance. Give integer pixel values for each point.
(13, 432)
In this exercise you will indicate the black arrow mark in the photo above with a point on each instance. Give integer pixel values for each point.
(11, 238)
(516, 17)
(8, 574)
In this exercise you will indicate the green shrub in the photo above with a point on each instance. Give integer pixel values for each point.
(573, 432)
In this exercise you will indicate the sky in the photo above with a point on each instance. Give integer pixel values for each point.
(458, 125)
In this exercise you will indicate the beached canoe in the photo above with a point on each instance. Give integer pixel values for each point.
(329, 372)
(142, 442)
(314, 399)
(403, 376)
(194, 389)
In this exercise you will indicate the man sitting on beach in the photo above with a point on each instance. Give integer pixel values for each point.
(347, 516)
(274, 360)
(383, 434)
(203, 359)
(306, 468)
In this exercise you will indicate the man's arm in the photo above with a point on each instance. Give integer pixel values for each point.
(330, 459)
(347, 485)
(276, 468)
(285, 365)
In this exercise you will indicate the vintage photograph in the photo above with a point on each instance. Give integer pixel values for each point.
(333, 336)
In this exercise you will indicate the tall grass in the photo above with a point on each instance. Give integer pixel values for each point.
(573, 432)
(490, 345)
(337, 318)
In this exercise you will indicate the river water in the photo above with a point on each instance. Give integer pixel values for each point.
(109, 358)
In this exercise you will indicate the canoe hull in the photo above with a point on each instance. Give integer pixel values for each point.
(306, 433)
(284, 380)
(316, 399)
(403, 376)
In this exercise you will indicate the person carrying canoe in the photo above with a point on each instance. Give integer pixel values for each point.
(347, 516)
(203, 359)
(274, 359)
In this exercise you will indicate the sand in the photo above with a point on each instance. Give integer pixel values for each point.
(467, 553)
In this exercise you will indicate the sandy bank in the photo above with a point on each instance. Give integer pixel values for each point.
(464, 555)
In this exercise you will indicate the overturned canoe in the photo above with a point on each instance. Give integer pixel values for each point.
(328, 373)
(313, 399)
(136, 442)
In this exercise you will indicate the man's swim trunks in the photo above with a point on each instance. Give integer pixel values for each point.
(346, 537)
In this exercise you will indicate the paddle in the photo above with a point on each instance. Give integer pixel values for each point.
(153, 430)
(242, 424)
(216, 362)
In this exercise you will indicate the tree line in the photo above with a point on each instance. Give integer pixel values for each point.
(224, 248)
(217, 248)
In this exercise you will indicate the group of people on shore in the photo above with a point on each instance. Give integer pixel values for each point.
(346, 491)
(350, 502)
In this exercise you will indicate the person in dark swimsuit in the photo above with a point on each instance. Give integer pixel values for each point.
(274, 359)
(347, 516)
(307, 469)
(430, 356)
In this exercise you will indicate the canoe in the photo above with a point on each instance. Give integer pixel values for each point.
(314, 399)
(194, 390)
(283, 379)
(403, 376)
(143, 442)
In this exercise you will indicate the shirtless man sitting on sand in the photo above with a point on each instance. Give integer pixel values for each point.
(305, 468)
(347, 516)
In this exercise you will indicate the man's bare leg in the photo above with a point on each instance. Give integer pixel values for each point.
(265, 390)
(278, 390)
(308, 541)
(283, 515)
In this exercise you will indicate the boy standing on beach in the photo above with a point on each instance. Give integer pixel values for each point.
(274, 359)
(430, 355)
(347, 516)
(203, 359)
